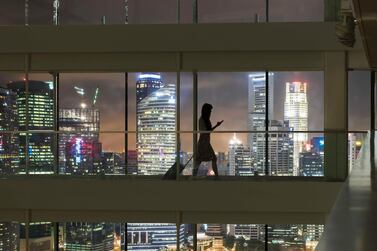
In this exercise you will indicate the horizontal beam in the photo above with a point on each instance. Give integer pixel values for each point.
(143, 200)
(171, 38)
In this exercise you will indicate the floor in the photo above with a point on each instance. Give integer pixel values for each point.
(352, 224)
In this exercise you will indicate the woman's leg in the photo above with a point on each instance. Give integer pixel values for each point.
(214, 165)
(196, 167)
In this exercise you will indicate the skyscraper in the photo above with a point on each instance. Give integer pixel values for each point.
(89, 236)
(155, 112)
(9, 143)
(40, 116)
(154, 236)
(280, 150)
(79, 147)
(257, 104)
(239, 158)
(296, 112)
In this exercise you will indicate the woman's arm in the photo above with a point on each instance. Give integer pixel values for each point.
(217, 125)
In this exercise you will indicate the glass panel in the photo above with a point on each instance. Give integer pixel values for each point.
(355, 145)
(40, 236)
(9, 236)
(12, 12)
(90, 236)
(152, 11)
(41, 12)
(235, 11)
(296, 11)
(297, 97)
(153, 236)
(294, 237)
(230, 237)
(155, 115)
(227, 92)
(91, 153)
(103, 93)
(92, 12)
(359, 100)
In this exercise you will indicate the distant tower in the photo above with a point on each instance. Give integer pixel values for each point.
(239, 158)
(9, 143)
(155, 112)
(257, 107)
(40, 117)
(296, 112)
(280, 150)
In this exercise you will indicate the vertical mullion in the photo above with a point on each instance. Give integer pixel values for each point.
(56, 236)
(26, 12)
(126, 11)
(126, 124)
(267, 11)
(195, 11)
(372, 118)
(56, 120)
(195, 237)
(27, 68)
(125, 237)
(266, 237)
(178, 11)
(178, 115)
(194, 116)
(266, 163)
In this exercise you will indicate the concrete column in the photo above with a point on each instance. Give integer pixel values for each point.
(336, 116)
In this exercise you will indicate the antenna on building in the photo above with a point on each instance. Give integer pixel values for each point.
(95, 96)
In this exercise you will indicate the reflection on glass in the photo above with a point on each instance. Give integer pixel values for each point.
(40, 236)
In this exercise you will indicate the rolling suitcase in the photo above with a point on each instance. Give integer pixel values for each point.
(171, 174)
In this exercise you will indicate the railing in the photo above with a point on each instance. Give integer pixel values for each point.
(150, 154)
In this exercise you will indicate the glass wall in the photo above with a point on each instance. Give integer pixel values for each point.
(97, 12)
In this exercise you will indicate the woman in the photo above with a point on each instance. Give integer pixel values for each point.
(204, 149)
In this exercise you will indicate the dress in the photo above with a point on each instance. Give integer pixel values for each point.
(204, 151)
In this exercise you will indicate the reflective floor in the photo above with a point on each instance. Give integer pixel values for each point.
(352, 224)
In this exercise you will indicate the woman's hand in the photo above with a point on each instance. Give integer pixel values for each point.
(219, 123)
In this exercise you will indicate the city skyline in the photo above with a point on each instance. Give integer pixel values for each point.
(113, 109)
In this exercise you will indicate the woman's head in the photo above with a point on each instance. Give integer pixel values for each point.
(206, 111)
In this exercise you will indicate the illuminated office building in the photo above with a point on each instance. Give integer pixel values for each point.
(112, 163)
(155, 112)
(257, 105)
(296, 112)
(249, 231)
(40, 236)
(79, 146)
(9, 236)
(40, 117)
(286, 237)
(151, 237)
(9, 143)
(89, 236)
(239, 158)
(280, 150)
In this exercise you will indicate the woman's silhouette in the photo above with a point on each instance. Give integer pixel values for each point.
(204, 149)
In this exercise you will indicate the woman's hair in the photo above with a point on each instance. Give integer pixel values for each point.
(206, 112)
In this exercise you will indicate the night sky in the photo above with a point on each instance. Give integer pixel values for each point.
(226, 91)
